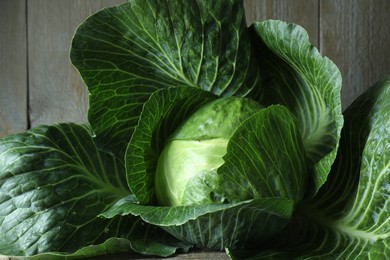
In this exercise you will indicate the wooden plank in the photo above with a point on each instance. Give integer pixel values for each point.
(302, 12)
(57, 94)
(355, 35)
(192, 255)
(13, 67)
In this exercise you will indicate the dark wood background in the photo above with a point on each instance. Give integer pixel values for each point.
(38, 85)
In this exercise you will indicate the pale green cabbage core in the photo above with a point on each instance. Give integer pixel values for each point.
(183, 160)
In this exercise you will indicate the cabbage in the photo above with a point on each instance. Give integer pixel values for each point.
(187, 167)
(202, 133)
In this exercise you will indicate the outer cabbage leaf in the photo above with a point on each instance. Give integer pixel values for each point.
(54, 183)
(125, 53)
(216, 226)
(113, 246)
(297, 76)
(349, 218)
(265, 158)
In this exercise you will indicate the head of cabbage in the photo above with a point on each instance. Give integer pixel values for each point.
(195, 151)
(239, 167)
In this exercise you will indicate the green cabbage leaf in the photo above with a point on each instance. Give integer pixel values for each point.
(297, 76)
(125, 53)
(54, 182)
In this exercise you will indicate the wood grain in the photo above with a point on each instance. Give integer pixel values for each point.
(13, 68)
(57, 93)
(302, 12)
(355, 35)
